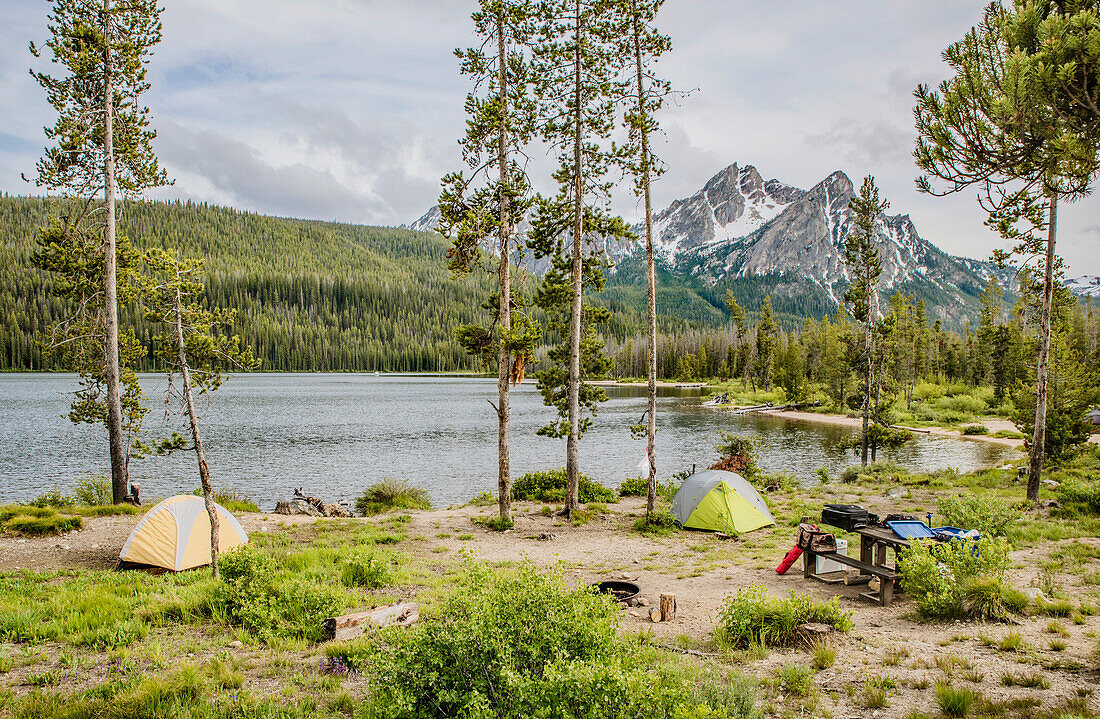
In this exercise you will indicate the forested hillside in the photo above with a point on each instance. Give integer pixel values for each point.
(312, 296)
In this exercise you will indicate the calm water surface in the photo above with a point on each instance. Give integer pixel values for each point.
(266, 434)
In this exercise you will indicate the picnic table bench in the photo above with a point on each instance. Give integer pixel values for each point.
(874, 542)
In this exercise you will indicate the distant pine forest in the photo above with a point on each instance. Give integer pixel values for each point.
(311, 296)
(329, 297)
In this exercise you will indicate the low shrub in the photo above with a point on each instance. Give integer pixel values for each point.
(959, 579)
(272, 602)
(484, 499)
(752, 616)
(372, 570)
(1080, 494)
(93, 490)
(549, 486)
(389, 494)
(795, 679)
(984, 512)
(972, 429)
(656, 524)
(496, 524)
(52, 498)
(634, 487)
(517, 643)
(874, 472)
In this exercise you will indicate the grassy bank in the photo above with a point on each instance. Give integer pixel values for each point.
(79, 642)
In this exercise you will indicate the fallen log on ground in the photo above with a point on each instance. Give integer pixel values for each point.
(354, 625)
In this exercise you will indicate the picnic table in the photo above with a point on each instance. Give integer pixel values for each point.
(873, 545)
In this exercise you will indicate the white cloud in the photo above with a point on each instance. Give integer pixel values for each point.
(351, 109)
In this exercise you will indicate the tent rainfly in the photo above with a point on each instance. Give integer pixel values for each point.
(720, 501)
(175, 534)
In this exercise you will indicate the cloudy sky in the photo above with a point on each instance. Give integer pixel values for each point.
(350, 109)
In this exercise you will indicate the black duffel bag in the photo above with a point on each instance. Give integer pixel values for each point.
(845, 516)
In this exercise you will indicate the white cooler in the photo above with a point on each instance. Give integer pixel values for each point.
(826, 565)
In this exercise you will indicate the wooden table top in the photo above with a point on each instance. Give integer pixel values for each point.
(882, 534)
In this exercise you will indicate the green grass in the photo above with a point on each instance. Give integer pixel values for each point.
(391, 494)
(824, 655)
(954, 701)
(752, 616)
(231, 500)
(36, 521)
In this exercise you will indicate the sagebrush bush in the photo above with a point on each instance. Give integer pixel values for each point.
(517, 643)
(752, 616)
(372, 569)
(634, 487)
(272, 602)
(389, 494)
(94, 490)
(549, 486)
(985, 512)
(959, 579)
(1080, 494)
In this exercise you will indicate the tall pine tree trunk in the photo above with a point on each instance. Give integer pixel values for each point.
(572, 443)
(1038, 439)
(204, 471)
(651, 292)
(504, 368)
(866, 391)
(120, 479)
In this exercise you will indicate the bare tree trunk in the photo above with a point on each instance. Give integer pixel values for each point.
(504, 368)
(572, 443)
(1038, 439)
(866, 392)
(204, 471)
(120, 478)
(651, 293)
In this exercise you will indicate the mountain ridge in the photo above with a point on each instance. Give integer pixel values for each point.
(740, 229)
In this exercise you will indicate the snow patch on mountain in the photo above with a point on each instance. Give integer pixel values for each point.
(1084, 286)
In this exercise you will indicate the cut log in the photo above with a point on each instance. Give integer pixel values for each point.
(854, 578)
(654, 614)
(354, 625)
(668, 607)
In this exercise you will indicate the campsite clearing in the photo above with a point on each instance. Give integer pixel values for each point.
(702, 569)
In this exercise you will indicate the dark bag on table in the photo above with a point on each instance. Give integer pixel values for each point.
(845, 516)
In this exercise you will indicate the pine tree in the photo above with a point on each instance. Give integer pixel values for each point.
(639, 40)
(104, 145)
(998, 124)
(767, 341)
(576, 66)
(501, 125)
(864, 267)
(195, 346)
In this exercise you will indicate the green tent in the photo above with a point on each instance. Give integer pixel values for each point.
(720, 502)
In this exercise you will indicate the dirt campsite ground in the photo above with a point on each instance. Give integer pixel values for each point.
(886, 647)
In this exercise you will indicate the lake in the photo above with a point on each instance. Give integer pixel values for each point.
(334, 434)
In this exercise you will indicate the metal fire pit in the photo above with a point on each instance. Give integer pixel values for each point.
(620, 590)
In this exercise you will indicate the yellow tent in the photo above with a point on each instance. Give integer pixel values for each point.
(175, 534)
